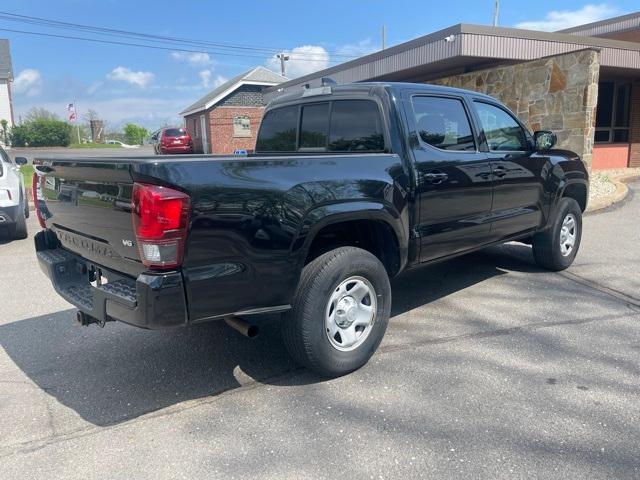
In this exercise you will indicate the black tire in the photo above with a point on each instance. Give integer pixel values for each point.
(547, 245)
(18, 230)
(304, 331)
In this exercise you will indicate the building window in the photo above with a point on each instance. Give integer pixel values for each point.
(612, 116)
(196, 133)
(241, 126)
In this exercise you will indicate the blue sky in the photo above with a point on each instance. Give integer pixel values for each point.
(152, 86)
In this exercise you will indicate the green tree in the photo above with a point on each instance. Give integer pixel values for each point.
(135, 134)
(41, 133)
(4, 123)
(39, 113)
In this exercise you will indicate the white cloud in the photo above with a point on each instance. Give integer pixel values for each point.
(196, 59)
(123, 74)
(302, 61)
(28, 82)
(207, 82)
(359, 49)
(205, 77)
(561, 19)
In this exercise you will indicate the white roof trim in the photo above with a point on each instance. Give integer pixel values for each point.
(228, 91)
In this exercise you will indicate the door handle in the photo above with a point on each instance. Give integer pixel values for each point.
(435, 177)
(499, 171)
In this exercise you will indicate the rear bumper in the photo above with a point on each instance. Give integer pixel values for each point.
(150, 301)
(176, 149)
(8, 215)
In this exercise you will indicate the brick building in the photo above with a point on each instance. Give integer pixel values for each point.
(583, 83)
(227, 118)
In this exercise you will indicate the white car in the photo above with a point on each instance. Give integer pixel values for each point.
(14, 207)
(123, 145)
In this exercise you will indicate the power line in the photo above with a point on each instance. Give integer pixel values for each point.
(130, 44)
(151, 37)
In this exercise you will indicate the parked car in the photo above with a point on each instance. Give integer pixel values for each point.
(14, 206)
(122, 144)
(172, 140)
(350, 185)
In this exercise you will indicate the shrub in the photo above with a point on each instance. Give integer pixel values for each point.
(134, 134)
(41, 133)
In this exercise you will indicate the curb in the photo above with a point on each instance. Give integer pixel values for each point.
(620, 194)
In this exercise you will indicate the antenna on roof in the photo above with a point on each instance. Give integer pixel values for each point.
(496, 12)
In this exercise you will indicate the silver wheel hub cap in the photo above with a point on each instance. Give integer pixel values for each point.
(568, 233)
(350, 313)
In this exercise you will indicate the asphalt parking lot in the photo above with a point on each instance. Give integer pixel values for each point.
(491, 368)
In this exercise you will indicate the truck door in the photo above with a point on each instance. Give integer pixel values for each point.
(517, 171)
(454, 190)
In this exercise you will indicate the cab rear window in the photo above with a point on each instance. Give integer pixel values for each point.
(336, 126)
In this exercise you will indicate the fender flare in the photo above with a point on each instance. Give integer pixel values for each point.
(329, 214)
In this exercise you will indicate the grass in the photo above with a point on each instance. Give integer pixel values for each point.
(27, 174)
(94, 145)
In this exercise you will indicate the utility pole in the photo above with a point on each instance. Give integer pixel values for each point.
(496, 12)
(75, 108)
(283, 58)
(384, 37)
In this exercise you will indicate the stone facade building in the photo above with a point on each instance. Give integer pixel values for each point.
(557, 93)
(227, 119)
(583, 83)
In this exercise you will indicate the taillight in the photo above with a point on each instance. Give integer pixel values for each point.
(36, 192)
(160, 218)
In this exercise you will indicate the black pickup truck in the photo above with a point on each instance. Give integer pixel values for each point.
(349, 186)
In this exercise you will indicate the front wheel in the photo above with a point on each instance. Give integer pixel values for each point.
(556, 248)
(340, 312)
(18, 230)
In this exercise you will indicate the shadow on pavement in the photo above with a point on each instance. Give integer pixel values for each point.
(117, 373)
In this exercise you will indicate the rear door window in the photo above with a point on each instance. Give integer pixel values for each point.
(443, 123)
(355, 126)
(278, 130)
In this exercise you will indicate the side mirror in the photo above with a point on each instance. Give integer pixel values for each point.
(21, 161)
(544, 139)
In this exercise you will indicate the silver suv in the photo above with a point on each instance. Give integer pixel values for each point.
(14, 207)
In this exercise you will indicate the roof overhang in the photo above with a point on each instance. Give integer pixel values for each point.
(223, 94)
(617, 27)
(462, 48)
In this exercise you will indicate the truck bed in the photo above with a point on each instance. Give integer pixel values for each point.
(248, 222)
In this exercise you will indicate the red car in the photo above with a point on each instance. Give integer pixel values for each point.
(172, 140)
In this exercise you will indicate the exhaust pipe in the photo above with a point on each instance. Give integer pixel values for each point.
(247, 329)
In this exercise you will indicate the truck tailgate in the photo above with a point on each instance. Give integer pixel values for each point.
(88, 206)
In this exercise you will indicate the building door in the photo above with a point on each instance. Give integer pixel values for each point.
(204, 135)
(518, 189)
(454, 177)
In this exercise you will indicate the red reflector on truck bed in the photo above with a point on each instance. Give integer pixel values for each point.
(160, 218)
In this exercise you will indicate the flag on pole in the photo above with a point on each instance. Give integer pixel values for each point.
(71, 108)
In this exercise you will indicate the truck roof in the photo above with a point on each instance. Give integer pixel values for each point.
(363, 87)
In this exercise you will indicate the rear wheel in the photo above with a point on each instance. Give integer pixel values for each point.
(340, 312)
(556, 248)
